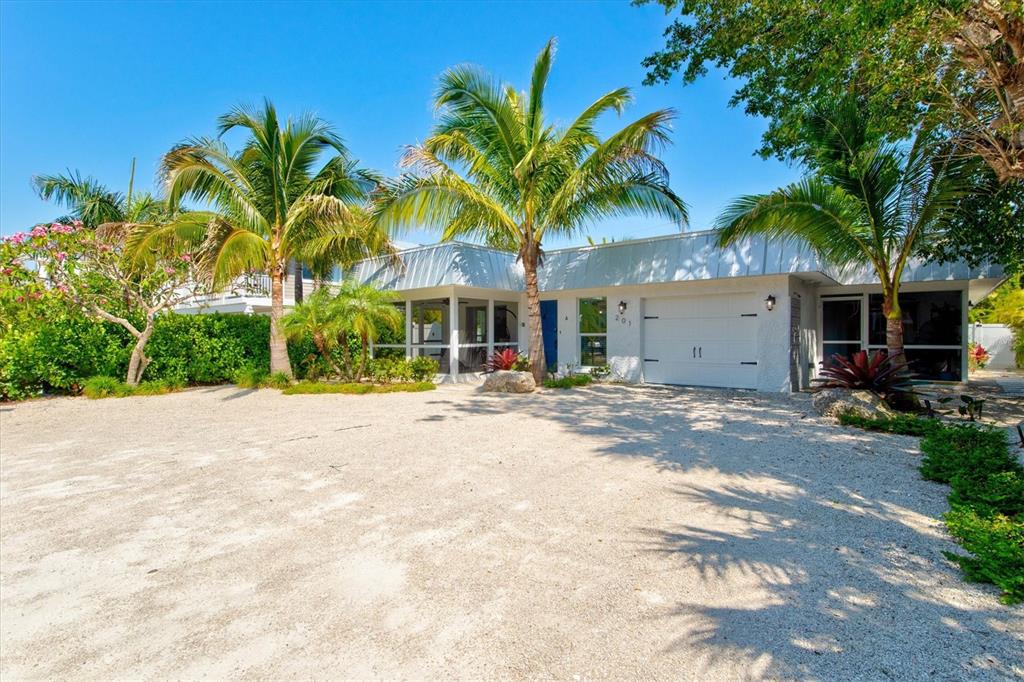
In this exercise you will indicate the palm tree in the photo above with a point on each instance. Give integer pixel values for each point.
(868, 203)
(94, 204)
(495, 170)
(272, 201)
(364, 311)
(315, 316)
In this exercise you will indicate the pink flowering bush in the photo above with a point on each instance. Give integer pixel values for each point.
(93, 272)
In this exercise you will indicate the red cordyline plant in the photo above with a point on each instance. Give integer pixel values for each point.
(880, 373)
(502, 360)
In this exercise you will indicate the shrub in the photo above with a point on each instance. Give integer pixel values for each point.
(877, 373)
(57, 351)
(386, 370)
(313, 387)
(522, 364)
(904, 424)
(957, 449)
(109, 387)
(104, 387)
(502, 360)
(250, 377)
(1001, 493)
(996, 544)
(424, 368)
(569, 381)
(278, 380)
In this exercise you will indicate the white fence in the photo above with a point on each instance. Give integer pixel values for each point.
(997, 339)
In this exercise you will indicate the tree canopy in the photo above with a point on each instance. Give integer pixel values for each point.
(953, 64)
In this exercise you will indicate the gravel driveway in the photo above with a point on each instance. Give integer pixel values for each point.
(600, 532)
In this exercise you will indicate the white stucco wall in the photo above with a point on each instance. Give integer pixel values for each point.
(625, 332)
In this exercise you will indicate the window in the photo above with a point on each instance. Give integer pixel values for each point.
(506, 323)
(932, 332)
(931, 318)
(593, 314)
(840, 327)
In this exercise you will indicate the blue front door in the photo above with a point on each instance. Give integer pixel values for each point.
(549, 329)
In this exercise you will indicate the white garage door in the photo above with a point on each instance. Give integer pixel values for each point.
(701, 340)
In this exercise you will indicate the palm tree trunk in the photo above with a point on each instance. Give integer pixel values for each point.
(362, 357)
(893, 326)
(278, 343)
(321, 345)
(536, 344)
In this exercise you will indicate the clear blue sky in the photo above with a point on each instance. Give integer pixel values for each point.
(88, 85)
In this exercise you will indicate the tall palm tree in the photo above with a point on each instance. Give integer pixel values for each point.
(272, 201)
(95, 204)
(868, 203)
(316, 316)
(364, 311)
(494, 169)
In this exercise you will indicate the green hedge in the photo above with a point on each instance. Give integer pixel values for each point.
(57, 356)
(986, 495)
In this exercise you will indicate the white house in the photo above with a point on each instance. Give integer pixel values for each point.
(674, 310)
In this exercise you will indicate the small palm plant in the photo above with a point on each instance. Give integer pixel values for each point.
(366, 312)
(317, 317)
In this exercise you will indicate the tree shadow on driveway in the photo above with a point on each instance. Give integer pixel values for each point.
(810, 550)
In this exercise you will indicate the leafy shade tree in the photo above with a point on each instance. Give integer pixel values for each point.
(317, 317)
(94, 204)
(954, 64)
(988, 228)
(869, 205)
(366, 313)
(97, 272)
(496, 170)
(273, 202)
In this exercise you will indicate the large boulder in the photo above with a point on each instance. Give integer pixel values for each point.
(832, 402)
(509, 382)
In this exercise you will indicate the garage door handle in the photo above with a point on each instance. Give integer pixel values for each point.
(700, 351)
(695, 352)
(747, 363)
(649, 360)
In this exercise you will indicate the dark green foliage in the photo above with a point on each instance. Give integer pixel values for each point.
(988, 502)
(966, 449)
(996, 544)
(904, 424)
(56, 355)
(570, 381)
(994, 493)
(986, 496)
(207, 349)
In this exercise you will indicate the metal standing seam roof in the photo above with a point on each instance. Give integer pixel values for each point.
(672, 258)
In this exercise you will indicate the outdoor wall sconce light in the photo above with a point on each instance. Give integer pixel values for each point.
(622, 307)
(769, 302)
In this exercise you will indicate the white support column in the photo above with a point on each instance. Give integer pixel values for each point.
(490, 327)
(408, 329)
(453, 336)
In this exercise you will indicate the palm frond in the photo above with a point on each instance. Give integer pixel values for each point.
(86, 198)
